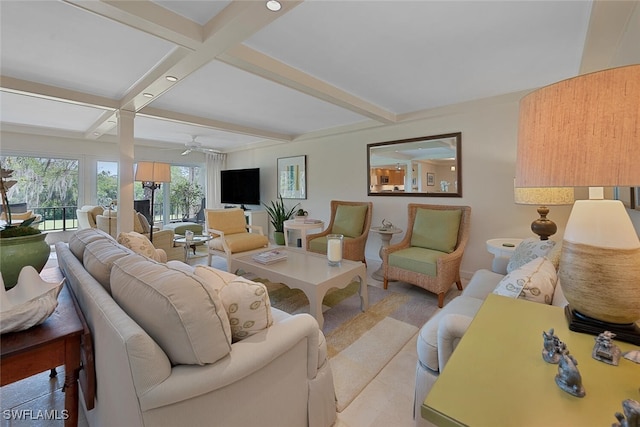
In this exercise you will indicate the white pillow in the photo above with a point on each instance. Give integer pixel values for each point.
(183, 315)
(534, 281)
(139, 244)
(527, 250)
(247, 303)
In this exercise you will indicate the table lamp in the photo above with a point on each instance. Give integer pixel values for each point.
(543, 197)
(152, 174)
(585, 132)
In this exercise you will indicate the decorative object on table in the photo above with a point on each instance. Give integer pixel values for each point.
(278, 214)
(544, 197)
(600, 244)
(605, 350)
(21, 244)
(112, 206)
(30, 302)
(269, 257)
(188, 235)
(292, 178)
(386, 225)
(631, 416)
(334, 249)
(152, 175)
(301, 215)
(553, 347)
(633, 355)
(568, 377)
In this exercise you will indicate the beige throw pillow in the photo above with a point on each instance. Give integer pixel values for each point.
(535, 281)
(247, 303)
(139, 244)
(183, 315)
(528, 250)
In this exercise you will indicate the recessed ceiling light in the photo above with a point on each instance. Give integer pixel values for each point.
(274, 5)
(96, 133)
(147, 95)
(172, 78)
(113, 122)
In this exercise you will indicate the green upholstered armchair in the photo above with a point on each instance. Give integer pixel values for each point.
(352, 220)
(431, 252)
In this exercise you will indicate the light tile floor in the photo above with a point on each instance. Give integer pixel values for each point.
(386, 401)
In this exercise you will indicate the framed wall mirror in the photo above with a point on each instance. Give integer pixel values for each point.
(428, 166)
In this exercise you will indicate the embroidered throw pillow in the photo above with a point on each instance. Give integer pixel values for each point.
(528, 250)
(139, 244)
(535, 281)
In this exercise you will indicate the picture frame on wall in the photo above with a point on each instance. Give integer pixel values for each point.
(292, 177)
(431, 179)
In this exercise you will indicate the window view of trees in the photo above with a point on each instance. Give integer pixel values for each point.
(186, 194)
(43, 182)
(107, 182)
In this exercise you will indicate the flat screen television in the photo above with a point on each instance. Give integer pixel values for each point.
(240, 186)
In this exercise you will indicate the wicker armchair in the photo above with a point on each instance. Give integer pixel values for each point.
(430, 268)
(353, 245)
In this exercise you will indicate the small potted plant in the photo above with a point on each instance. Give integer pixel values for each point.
(278, 214)
(301, 215)
(20, 245)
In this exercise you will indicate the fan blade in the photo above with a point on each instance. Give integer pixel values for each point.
(185, 152)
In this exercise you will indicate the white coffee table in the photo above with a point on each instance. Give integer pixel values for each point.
(311, 273)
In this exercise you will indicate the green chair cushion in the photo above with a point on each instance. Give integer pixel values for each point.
(436, 229)
(319, 244)
(416, 259)
(349, 220)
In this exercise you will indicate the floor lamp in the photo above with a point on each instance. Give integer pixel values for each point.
(583, 132)
(152, 175)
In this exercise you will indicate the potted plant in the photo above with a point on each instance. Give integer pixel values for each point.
(301, 215)
(20, 244)
(278, 214)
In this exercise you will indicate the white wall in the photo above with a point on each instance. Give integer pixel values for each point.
(337, 169)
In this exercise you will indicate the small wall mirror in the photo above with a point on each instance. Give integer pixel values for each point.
(428, 166)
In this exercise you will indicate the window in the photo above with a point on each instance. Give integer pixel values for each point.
(107, 182)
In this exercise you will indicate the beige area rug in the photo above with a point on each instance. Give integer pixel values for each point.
(360, 344)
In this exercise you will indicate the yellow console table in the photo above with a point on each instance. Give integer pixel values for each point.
(497, 377)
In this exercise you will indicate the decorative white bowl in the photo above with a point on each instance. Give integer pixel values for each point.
(30, 302)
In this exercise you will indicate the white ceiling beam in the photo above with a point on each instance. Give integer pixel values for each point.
(214, 124)
(255, 62)
(149, 17)
(609, 21)
(40, 90)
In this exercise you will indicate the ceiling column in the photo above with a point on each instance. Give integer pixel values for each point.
(125, 170)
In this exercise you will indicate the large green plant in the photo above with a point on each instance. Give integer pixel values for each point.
(279, 213)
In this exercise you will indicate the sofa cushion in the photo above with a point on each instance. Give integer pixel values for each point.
(178, 310)
(436, 229)
(247, 303)
(427, 344)
(98, 258)
(139, 244)
(416, 259)
(81, 238)
(528, 250)
(534, 281)
(349, 220)
(144, 223)
(137, 225)
(240, 242)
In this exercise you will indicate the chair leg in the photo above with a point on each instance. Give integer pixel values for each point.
(209, 259)
(385, 282)
(440, 299)
(459, 284)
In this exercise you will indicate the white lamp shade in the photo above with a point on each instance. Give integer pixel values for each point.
(601, 223)
(153, 172)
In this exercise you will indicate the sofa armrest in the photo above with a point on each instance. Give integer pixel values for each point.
(450, 330)
(482, 284)
(248, 356)
(162, 239)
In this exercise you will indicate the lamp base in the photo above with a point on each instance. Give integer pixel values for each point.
(578, 322)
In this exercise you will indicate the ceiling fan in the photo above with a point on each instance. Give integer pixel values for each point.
(194, 145)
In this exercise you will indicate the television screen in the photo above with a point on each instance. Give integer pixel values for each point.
(240, 186)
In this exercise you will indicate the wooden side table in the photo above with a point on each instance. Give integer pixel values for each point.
(54, 342)
(497, 377)
(385, 235)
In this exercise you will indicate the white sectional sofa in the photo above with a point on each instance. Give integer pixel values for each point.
(438, 338)
(278, 376)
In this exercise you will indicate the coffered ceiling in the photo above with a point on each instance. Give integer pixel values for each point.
(248, 76)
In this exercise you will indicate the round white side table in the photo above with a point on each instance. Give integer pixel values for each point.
(308, 224)
(385, 235)
(501, 248)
